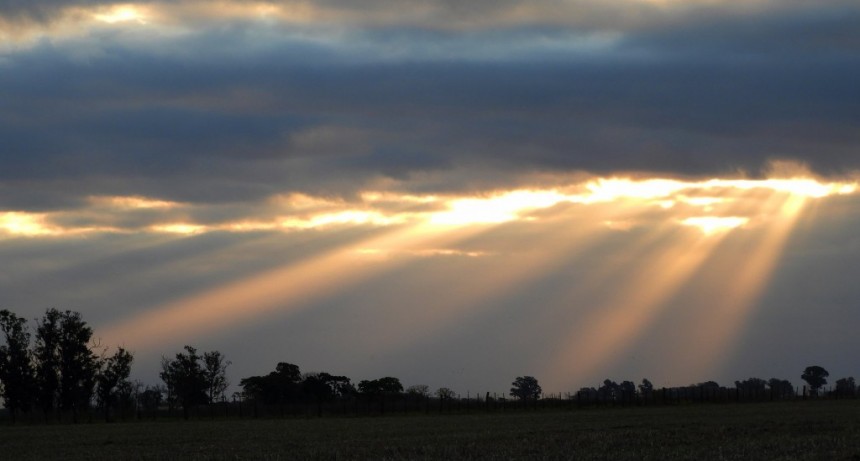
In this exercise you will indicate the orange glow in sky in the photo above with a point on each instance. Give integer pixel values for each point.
(121, 13)
(680, 232)
(25, 224)
(665, 263)
(699, 204)
(713, 224)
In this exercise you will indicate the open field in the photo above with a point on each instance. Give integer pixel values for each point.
(811, 430)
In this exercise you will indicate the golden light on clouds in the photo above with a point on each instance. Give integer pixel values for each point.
(712, 224)
(421, 253)
(25, 224)
(713, 206)
(179, 228)
(377, 196)
(165, 18)
(121, 13)
(28, 225)
(613, 189)
(133, 202)
(664, 193)
(496, 209)
(346, 217)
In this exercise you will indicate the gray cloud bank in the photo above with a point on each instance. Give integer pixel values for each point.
(241, 110)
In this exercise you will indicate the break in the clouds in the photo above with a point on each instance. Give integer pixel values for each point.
(394, 176)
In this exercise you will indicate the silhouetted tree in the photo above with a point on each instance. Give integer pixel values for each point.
(65, 365)
(185, 379)
(609, 391)
(128, 394)
(445, 393)
(381, 386)
(525, 388)
(285, 382)
(47, 361)
(17, 376)
(339, 386)
(315, 388)
(280, 386)
(709, 386)
(418, 390)
(78, 364)
(646, 389)
(254, 388)
(288, 372)
(845, 387)
(323, 387)
(112, 379)
(751, 386)
(816, 377)
(287, 385)
(587, 394)
(780, 388)
(215, 370)
(150, 399)
(627, 391)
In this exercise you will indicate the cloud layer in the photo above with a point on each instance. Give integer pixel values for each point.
(245, 104)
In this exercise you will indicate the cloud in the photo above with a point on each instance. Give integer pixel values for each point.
(239, 110)
(43, 10)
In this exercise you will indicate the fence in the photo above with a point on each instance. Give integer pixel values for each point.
(407, 404)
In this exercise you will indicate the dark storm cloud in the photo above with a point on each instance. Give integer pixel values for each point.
(41, 10)
(237, 113)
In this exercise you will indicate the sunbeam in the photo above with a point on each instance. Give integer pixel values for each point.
(607, 330)
(283, 289)
(664, 234)
(738, 277)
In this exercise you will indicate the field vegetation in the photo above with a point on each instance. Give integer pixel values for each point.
(796, 430)
(65, 398)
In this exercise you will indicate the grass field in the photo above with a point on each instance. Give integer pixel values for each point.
(813, 430)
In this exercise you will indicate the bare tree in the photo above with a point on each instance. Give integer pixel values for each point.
(420, 390)
(445, 393)
(215, 369)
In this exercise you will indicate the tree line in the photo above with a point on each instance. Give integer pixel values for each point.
(749, 389)
(61, 373)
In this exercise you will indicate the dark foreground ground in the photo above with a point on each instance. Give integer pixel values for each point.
(813, 430)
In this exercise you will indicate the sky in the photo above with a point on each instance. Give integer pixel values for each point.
(451, 193)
